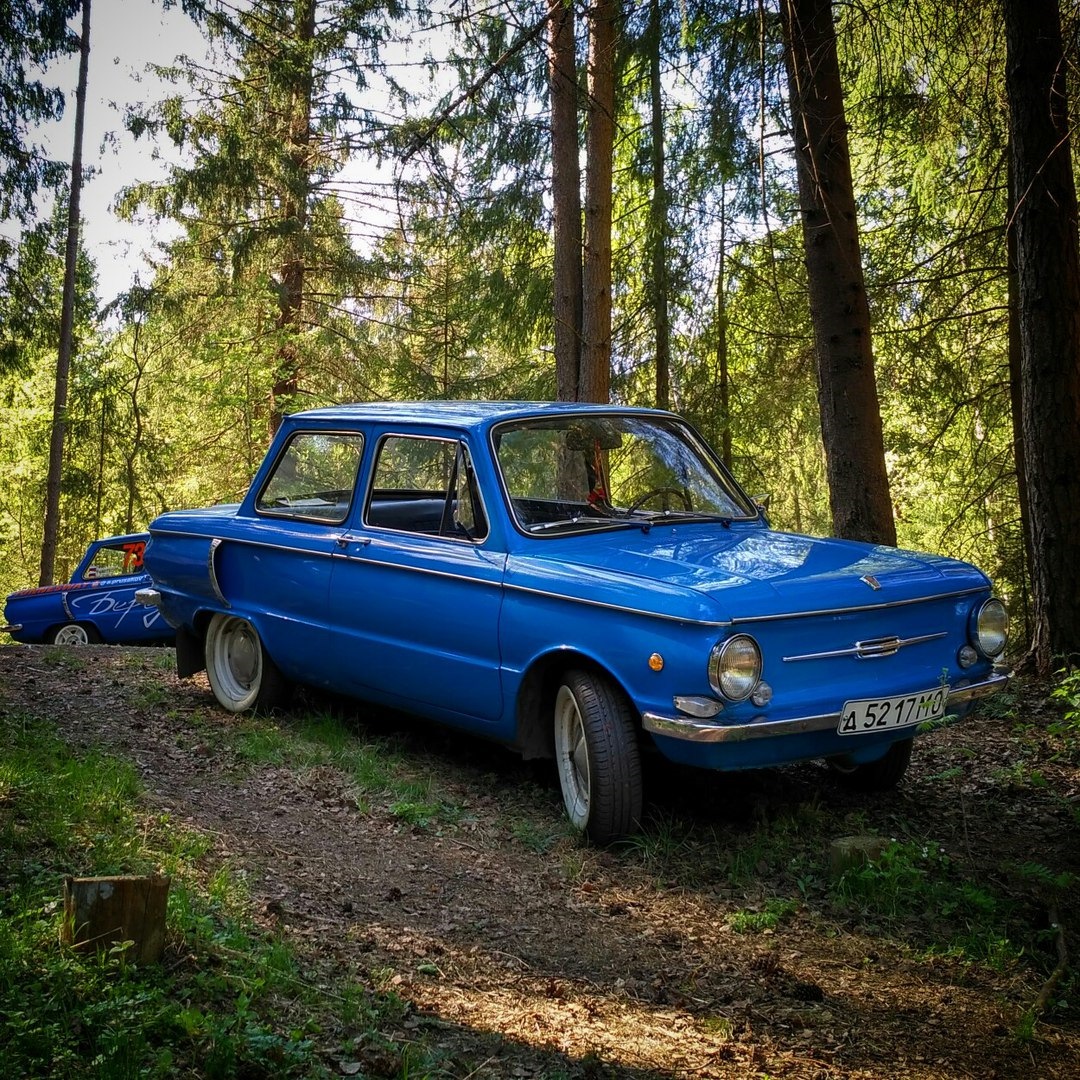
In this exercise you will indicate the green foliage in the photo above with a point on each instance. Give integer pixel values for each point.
(767, 918)
(32, 35)
(916, 886)
(438, 284)
(1068, 692)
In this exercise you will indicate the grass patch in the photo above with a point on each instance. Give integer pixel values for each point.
(766, 918)
(915, 890)
(230, 999)
(374, 768)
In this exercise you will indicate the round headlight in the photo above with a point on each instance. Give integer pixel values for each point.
(991, 628)
(735, 667)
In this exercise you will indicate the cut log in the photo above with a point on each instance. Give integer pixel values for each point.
(100, 912)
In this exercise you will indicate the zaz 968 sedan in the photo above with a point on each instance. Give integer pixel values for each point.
(575, 581)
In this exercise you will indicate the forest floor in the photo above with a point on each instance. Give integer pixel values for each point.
(716, 945)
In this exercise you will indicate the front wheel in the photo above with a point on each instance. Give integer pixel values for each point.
(597, 757)
(241, 673)
(75, 634)
(881, 775)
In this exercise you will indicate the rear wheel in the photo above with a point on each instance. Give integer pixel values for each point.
(75, 634)
(881, 775)
(597, 757)
(240, 671)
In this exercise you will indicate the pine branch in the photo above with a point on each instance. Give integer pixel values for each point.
(472, 90)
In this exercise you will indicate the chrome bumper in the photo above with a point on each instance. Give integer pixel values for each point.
(709, 731)
(148, 597)
(10, 629)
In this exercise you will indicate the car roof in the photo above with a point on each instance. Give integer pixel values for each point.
(464, 413)
(120, 539)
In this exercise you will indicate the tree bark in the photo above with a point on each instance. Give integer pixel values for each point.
(51, 530)
(566, 197)
(847, 387)
(595, 379)
(294, 208)
(1048, 303)
(722, 365)
(658, 240)
(1015, 396)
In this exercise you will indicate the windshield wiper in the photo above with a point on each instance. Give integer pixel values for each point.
(655, 516)
(591, 522)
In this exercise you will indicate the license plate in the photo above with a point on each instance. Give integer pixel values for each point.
(884, 714)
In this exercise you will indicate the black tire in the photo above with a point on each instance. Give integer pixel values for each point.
(881, 775)
(240, 670)
(74, 634)
(597, 757)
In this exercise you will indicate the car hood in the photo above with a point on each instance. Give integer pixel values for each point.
(751, 572)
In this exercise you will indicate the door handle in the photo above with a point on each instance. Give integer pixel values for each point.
(343, 542)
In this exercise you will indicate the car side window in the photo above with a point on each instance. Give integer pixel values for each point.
(314, 478)
(426, 485)
(116, 560)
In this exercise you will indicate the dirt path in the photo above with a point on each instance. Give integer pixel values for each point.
(528, 955)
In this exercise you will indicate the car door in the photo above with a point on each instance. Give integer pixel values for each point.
(273, 565)
(102, 592)
(415, 590)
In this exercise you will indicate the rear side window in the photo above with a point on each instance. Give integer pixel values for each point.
(315, 477)
(115, 560)
(426, 485)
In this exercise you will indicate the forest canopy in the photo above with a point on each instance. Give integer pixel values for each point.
(366, 201)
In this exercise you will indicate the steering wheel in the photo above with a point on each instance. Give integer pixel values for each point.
(652, 493)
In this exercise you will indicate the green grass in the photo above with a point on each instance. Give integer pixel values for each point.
(230, 1000)
(769, 917)
(917, 892)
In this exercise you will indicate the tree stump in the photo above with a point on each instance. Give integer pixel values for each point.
(102, 911)
(850, 852)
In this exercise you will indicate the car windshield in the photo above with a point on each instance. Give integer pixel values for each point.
(574, 473)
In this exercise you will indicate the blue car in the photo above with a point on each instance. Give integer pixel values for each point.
(97, 605)
(582, 583)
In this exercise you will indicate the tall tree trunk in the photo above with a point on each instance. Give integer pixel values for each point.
(1015, 395)
(67, 322)
(595, 379)
(722, 366)
(1048, 303)
(566, 196)
(847, 387)
(658, 224)
(294, 212)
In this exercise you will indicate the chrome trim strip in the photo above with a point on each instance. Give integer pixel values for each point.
(244, 540)
(678, 727)
(428, 570)
(860, 608)
(364, 559)
(212, 572)
(684, 619)
(616, 607)
(868, 649)
(382, 534)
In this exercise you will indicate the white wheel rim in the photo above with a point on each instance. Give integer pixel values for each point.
(572, 757)
(72, 635)
(237, 662)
